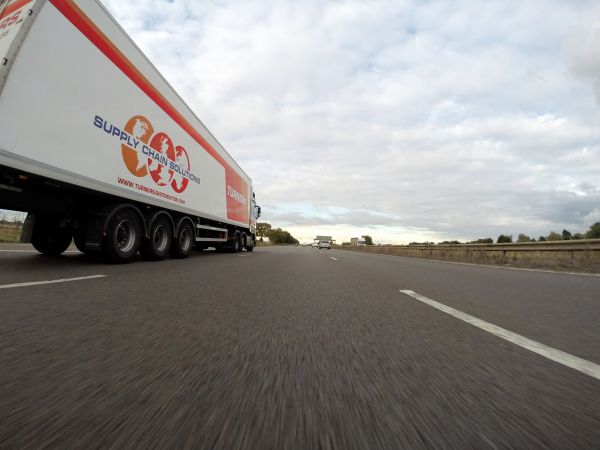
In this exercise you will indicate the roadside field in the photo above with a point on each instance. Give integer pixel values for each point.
(10, 232)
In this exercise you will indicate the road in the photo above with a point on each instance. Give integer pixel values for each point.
(292, 348)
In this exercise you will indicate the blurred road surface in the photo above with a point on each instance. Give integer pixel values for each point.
(291, 348)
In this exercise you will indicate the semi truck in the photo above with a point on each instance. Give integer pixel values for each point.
(100, 150)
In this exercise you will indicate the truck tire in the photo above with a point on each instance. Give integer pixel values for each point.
(51, 235)
(183, 244)
(79, 239)
(123, 236)
(158, 245)
(250, 244)
(236, 245)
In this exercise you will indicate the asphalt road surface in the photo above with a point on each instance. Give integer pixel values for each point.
(293, 348)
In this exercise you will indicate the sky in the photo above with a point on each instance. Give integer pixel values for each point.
(404, 120)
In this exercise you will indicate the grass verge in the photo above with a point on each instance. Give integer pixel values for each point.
(10, 233)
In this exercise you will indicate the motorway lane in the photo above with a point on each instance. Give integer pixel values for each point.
(21, 263)
(288, 348)
(560, 310)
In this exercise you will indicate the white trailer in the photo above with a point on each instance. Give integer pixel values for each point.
(98, 148)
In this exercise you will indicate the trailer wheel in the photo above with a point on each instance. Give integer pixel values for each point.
(51, 235)
(250, 245)
(236, 246)
(182, 245)
(79, 239)
(158, 245)
(123, 237)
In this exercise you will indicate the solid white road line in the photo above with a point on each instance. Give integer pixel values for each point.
(566, 359)
(335, 259)
(37, 283)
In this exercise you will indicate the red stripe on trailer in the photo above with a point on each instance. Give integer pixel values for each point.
(84, 24)
(12, 7)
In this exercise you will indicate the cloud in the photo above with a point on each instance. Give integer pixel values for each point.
(582, 49)
(409, 119)
(592, 217)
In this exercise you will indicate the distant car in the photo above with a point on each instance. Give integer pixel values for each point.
(324, 244)
(316, 244)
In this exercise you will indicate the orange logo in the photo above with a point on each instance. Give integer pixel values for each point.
(140, 129)
(148, 153)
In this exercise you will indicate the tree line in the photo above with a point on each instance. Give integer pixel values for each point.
(279, 236)
(592, 233)
(275, 235)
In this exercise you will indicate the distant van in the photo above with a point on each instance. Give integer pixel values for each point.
(325, 244)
